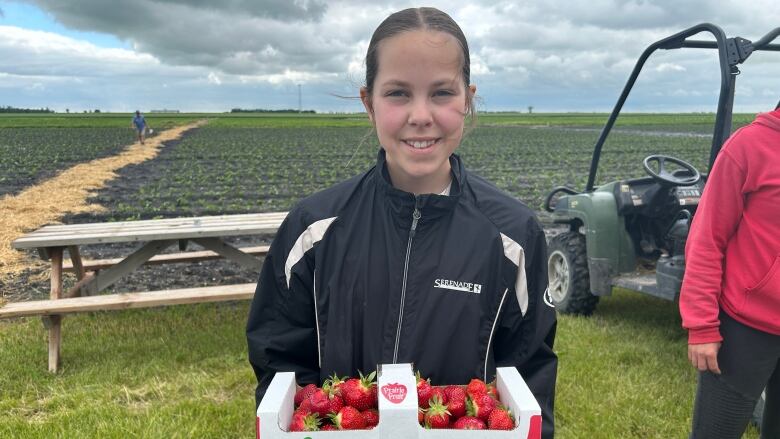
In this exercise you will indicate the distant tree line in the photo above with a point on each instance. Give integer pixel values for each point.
(10, 109)
(263, 110)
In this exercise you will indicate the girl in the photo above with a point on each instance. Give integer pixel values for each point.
(417, 260)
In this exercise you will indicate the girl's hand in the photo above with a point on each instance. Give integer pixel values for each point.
(704, 356)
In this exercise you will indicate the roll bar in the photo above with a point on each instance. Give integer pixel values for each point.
(731, 52)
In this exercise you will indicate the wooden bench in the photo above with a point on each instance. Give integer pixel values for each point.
(109, 302)
(95, 276)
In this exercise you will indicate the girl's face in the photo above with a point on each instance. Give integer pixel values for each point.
(418, 105)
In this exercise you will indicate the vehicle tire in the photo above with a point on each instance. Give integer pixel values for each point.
(758, 413)
(567, 270)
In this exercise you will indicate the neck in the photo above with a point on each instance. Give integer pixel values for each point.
(429, 184)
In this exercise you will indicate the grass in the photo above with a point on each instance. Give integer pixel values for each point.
(182, 372)
(144, 373)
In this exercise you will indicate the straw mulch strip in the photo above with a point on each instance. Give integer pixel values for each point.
(66, 193)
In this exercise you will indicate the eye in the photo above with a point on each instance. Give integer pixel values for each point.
(396, 93)
(443, 93)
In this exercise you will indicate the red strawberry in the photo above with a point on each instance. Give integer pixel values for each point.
(424, 391)
(476, 387)
(492, 390)
(420, 416)
(469, 423)
(457, 407)
(361, 394)
(333, 384)
(501, 419)
(328, 427)
(348, 418)
(437, 415)
(455, 393)
(481, 406)
(304, 393)
(439, 391)
(372, 417)
(324, 403)
(305, 405)
(304, 421)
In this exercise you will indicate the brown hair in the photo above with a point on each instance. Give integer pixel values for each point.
(416, 19)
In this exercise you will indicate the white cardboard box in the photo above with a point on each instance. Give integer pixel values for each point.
(397, 394)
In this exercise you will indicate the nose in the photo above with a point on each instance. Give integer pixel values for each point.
(420, 113)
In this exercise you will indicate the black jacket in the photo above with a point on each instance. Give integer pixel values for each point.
(352, 280)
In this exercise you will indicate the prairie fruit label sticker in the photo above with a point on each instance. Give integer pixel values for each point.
(394, 392)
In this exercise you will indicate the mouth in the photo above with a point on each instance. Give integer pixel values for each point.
(420, 143)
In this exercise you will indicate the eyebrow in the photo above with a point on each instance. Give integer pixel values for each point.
(400, 83)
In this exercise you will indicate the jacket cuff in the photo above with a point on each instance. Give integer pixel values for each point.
(704, 335)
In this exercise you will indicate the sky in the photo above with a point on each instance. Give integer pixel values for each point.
(202, 55)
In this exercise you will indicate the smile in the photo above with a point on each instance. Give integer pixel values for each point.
(420, 144)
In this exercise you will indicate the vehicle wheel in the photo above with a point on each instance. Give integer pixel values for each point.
(758, 413)
(567, 270)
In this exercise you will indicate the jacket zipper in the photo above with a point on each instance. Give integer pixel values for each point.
(415, 217)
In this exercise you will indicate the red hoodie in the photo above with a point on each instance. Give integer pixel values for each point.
(733, 250)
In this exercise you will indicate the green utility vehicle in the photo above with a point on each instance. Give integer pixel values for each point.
(631, 233)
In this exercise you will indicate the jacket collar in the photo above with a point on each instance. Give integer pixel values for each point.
(430, 205)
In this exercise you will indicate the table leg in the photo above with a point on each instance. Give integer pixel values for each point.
(75, 258)
(55, 334)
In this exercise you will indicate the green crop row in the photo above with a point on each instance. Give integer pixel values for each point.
(28, 155)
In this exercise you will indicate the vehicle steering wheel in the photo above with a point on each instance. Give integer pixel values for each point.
(665, 177)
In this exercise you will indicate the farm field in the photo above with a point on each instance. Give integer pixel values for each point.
(182, 371)
(35, 147)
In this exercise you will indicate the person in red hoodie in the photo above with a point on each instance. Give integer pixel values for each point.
(730, 297)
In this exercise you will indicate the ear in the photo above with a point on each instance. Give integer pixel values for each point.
(365, 97)
(471, 91)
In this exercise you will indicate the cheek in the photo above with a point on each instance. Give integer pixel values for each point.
(451, 119)
(389, 119)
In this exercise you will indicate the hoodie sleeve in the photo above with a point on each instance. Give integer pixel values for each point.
(716, 220)
(525, 339)
(281, 329)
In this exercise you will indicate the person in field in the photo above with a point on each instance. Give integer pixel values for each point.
(139, 123)
(417, 260)
(730, 297)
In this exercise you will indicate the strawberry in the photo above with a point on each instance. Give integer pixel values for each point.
(476, 387)
(439, 391)
(420, 416)
(469, 423)
(424, 391)
(305, 405)
(437, 415)
(501, 419)
(328, 427)
(324, 403)
(304, 393)
(333, 384)
(455, 393)
(304, 421)
(492, 390)
(372, 417)
(348, 418)
(457, 407)
(480, 406)
(360, 394)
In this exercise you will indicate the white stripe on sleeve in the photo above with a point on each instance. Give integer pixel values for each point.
(515, 253)
(312, 235)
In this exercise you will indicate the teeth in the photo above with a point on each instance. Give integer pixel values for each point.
(421, 145)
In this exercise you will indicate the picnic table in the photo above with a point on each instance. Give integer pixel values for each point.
(94, 276)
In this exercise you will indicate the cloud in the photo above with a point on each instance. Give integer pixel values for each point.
(578, 52)
(669, 67)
